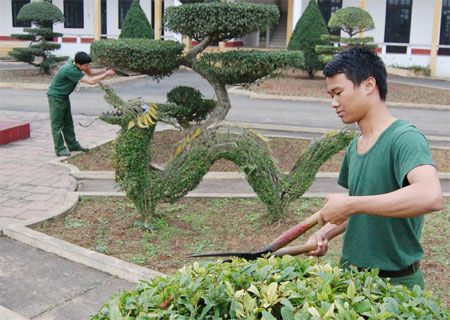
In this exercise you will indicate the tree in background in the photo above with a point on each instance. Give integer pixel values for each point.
(307, 35)
(351, 20)
(136, 24)
(41, 14)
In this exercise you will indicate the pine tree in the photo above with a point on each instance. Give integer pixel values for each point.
(136, 24)
(41, 14)
(306, 36)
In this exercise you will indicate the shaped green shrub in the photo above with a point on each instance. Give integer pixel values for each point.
(351, 20)
(220, 20)
(275, 288)
(307, 34)
(41, 14)
(187, 104)
(152, 57)
(136, 24)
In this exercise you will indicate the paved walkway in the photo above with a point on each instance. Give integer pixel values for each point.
(29, 186)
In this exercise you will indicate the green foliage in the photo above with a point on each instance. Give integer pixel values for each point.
(145, 186)
(307, 34)
(220, 20)
(41, 14)
(186, 104)
(136, 24)
(152, 57)
(245, 67)
(275, 288)
(351, 20)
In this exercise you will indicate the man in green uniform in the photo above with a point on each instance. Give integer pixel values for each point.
(63, 84)
(388, 171)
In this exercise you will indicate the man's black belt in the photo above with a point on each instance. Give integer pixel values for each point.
(396, 274)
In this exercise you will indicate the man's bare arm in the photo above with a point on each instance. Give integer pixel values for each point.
(94, 79)
(423, 195)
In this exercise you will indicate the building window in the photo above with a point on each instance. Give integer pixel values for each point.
(16, 5)
(327, 8)
(398, 24)
(444, 38)
(124, 6)
(103, 13)
(73, 14)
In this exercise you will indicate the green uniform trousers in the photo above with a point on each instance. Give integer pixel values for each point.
(62, 124)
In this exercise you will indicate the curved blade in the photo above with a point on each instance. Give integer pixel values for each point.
(245, 255)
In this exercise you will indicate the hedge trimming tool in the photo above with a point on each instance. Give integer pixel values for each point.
(275, 248)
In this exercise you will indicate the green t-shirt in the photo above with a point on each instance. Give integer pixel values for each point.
(65, 80)
(375, 241)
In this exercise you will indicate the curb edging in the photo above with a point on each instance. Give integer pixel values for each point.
(254, 95)
(111, 265)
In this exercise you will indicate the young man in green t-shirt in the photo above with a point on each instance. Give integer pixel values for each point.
(388, 171)
(63, 84)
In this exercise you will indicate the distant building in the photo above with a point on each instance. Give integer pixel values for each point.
(408, 32)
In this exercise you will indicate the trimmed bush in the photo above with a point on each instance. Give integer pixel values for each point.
(245, 67)
(350, 20)
(136, 25)
(152, 57)
(41, 14)
(306, 36)
(276, 288)
(187, 104)
(220, 20)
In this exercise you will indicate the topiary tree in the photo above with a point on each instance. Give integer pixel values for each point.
(307, 35)
(275, 288)
(136, 24)
(205, 139)
(41, 14)
(351, 20)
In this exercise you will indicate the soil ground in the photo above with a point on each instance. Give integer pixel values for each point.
(284, 150)
(112, 226)
(297, 84)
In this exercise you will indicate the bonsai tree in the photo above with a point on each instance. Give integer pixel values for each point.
(275, 288)
(41, 14)
(307, 35)
(205, 139)
(136, 24)
(351, 20)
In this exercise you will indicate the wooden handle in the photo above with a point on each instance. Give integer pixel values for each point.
(295, 250)
(294, 232)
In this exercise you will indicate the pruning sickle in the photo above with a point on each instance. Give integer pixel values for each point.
(276, 247)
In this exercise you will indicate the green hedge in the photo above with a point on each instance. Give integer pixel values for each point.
(220, 20)
(245, 67)
(152, 57)
(277, 288)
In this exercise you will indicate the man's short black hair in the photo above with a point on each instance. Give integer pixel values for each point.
(358, 64)
(82, 58)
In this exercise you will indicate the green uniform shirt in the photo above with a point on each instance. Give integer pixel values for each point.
(65, 80)
(381, 242)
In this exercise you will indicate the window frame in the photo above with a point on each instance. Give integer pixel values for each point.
(68, 11)
(393, 25)
(122, 11)
(327, 8)
(15, 12)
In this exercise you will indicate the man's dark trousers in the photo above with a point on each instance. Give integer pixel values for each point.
(62, 123)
